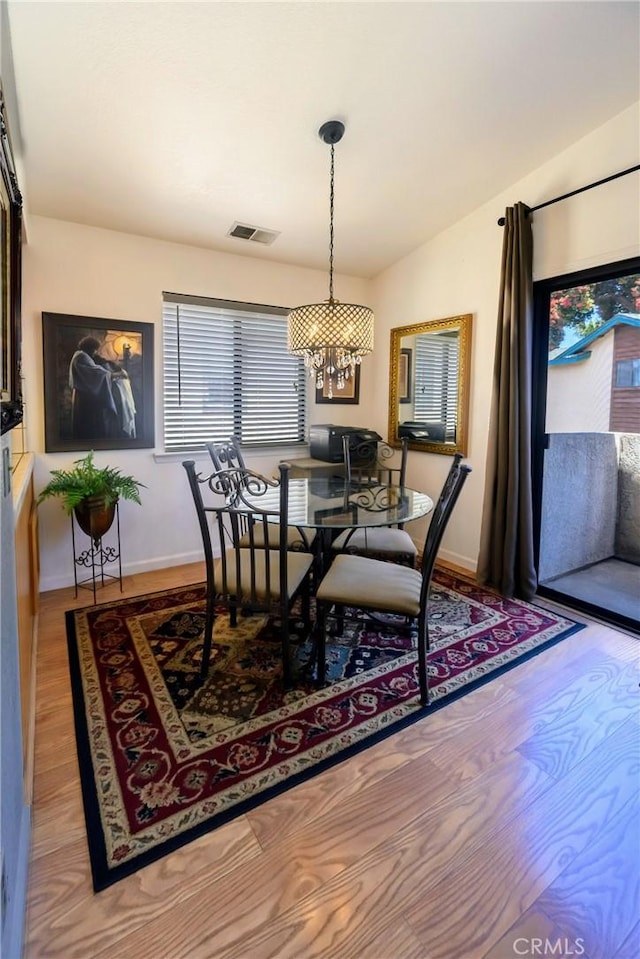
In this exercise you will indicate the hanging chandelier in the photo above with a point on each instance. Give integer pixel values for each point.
(331, 336)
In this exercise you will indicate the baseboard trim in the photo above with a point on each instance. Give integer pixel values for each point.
(455, 568)
(457, 563)
(129, 569)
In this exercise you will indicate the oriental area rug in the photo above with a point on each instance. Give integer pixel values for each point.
(165, 758)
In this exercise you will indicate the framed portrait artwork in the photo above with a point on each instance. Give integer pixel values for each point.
(404, 376)
(350, 393)
(98, 383)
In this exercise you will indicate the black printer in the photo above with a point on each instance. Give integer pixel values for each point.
(422, 432)
(325, 440)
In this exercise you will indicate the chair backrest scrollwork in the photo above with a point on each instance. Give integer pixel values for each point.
(226, 455)
(374, 461)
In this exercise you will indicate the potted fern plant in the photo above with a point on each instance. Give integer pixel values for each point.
(91, 493)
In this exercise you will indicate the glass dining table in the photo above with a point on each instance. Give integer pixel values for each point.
(329, 504)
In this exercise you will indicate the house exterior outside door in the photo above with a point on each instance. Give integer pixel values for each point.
(586, 436)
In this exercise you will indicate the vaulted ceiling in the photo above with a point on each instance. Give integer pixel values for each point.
(176, 119)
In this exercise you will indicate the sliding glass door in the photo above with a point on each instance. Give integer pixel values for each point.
(587, 440)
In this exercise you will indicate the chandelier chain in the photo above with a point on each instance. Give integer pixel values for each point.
(331, 198)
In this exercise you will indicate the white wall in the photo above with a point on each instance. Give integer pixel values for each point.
(76, 269)
(81, 270)
(458, 272)
(579, 394)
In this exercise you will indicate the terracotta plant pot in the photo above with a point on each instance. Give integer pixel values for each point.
(95, 517)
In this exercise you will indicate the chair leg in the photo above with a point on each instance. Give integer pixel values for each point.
(306, 607)
(208, 637)
(423, 670)
(286, 651)
(321, 648)
(316, 568)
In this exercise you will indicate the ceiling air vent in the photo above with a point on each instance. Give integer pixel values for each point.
(254, 233)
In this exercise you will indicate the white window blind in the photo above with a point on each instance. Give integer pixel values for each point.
(436, 381)
(227, 371)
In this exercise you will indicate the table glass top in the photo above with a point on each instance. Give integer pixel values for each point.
(326, 502)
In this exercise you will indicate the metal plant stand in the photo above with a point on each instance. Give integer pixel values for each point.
(98, 556)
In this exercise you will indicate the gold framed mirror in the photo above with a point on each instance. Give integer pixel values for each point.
(429, 377)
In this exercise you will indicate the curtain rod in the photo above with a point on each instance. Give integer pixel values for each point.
(590, 186)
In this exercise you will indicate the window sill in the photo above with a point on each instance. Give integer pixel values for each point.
(280, 452)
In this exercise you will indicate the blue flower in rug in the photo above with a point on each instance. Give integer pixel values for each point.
(144, 814)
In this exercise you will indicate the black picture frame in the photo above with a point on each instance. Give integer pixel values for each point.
(117, 412)
(350, 393)
(404, 375)
(10, 279)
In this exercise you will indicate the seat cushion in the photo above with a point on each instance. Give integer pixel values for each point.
(298, 565)
(376, 539)
(372, 584)
(300, 539)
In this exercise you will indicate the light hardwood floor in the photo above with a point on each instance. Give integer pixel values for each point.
(507, 819)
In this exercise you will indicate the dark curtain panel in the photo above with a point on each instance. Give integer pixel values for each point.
(506, 559)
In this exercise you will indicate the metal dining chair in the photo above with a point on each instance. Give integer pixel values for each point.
(357, 587)
(228, 455)
(248, 574)
(370, 464)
